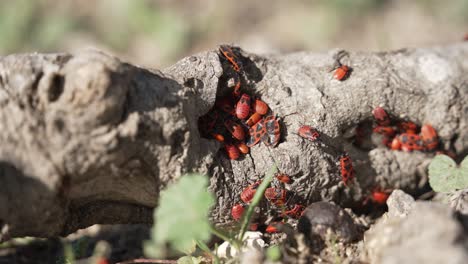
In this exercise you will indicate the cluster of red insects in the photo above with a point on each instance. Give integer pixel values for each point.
(277, 197)
(400, 135)
(404, 135)
(239, 120)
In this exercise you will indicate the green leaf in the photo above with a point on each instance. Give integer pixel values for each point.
(444, 176)
(460, 176)
(273, 253)
(189, 260)
(181, 217)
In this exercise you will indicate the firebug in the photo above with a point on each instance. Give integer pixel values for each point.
(276, 196)
(242, 148)
(273, 131)
(381, 116)
(380, 197)
(237, 211)
(253, 119)
(260, 107)
(232, 151)
(271, 228)
(407, 127)
(218, 137)
(235, 129)
(284, 178)
(346, 168)
(257, 132)
(227, 52)
(410, 142)
(249, 192)
(243, 107)
(396, 144)
(295, 212)
(341, 73)
(429, 137)
(384, 130)
(309, 133)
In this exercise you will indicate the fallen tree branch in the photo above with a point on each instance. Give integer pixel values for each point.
(87, 139)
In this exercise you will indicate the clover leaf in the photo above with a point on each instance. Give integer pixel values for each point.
(446, 176)
(182, 216)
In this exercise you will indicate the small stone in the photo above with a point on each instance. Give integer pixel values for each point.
(320, 217)
(399, 204)
(430, 233)
(252, 242)
(251, 256)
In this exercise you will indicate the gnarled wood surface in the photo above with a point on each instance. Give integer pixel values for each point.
(87, 139)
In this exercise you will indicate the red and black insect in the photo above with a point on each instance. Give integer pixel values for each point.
(235, 129)
(253, 119)
(347, 170)
(260, 107)
(237, 85)
(273, 131)
(379, 196)
(309, 133)
(342, 73)
(242, 148)
(276, 196)
(253, 227)
(410, 142)
(284, 178)
(237, 211)
(228, 53)
(295, 212)
(384, 130)
(387, 141)
(407, 127)
(429, 137)
(381, 116)
(218, 137)
(273, 227)
(243, 107)
(396, 144)
(232, 151)
(102, 260)
(257, 132)
(249, 192)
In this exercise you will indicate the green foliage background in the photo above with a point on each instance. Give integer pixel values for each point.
(158, 32)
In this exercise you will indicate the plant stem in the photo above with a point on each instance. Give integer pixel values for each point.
(256, 200)
(233, 241)
(203, 246)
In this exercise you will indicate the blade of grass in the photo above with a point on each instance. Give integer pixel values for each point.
(68, 254)
(256, 200)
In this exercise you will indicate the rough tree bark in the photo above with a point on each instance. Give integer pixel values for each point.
(87, 139)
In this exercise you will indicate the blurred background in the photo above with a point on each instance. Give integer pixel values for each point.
(157, 33)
